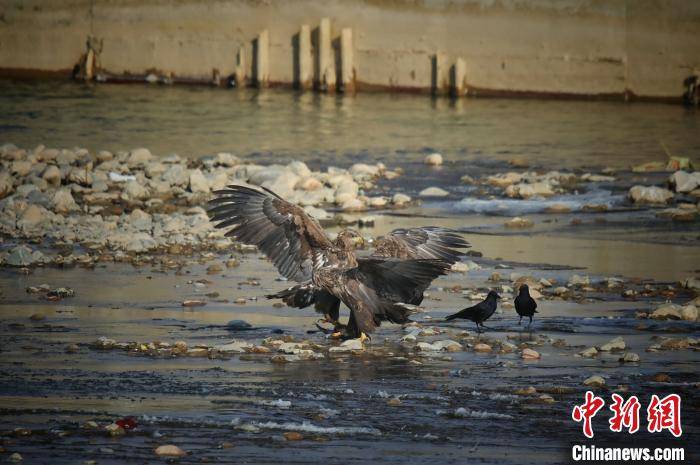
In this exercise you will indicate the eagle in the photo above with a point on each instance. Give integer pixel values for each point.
(375, 288)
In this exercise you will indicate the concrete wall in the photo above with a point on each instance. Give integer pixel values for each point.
(585, 47)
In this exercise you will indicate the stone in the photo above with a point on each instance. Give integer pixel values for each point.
(363, 170)
(308, 184)
(197, 182)
(32, 217)
(37, 317)
(353, 205)
(6, 184)
(22, 255)
(434, 159)
(691, 283)
(683, 181)
(139, 157)
(80, 175)
(526, 191)
(62, 201)
(530, 354)
(689, 313)
(169, 450)
(630, 357)
(15, 457)
(176, 175)
(20, 168)
(293, 436)
(225, 159)
(589, 352)
(346, 191)
(133, 190)
(650, 195)
(482, 347)
(378, 202)
(348, 346)
(400, 199)
(649, 167)
(667, 311)
(433, 192)
(594, 381)
(52, 175)
(518, 222)
(614, 344)
(237, 347)
(114, 430)
(577, 280)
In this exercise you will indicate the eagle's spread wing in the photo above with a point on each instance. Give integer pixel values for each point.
(293, 240)
(424, 243)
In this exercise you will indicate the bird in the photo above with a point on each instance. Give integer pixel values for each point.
(429, 242)
(524, 304)
(479, 312)
(374, 288)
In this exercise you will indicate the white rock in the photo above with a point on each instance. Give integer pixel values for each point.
(689, 313)
(434, 192)
(139, 157)
(353, 205)
(667, 311)
(52, 175)
(434, 159)
(346, 191)
(6, 184)
(400, 199)
(117, 177)
(133, 190)
(363, 170)
(348, 346)
(197, 182)
(614, 344)
(526, 191)
(650, 194)
(299, 168)
(594, 381)
(589, 352)
(176, 175)
(576, 280)
(23, 256)
(630, 357)
(684, 181)
(80, 175)
(377, 202)
(169, 450)
(226, 159)
(237, 347)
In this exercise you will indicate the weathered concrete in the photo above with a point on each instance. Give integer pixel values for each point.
(325, 67)
(304, 57)
(261, 66)
(347, 61)
(575, 47)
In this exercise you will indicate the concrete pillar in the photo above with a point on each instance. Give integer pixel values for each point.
(262, 59)
(440, 74)
(305, 66)
(347, 61)
(90, 64)
(325, 80)
(458, 78)
(240, 73)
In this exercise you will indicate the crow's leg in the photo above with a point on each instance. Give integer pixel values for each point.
(478, 329)
(520, 321)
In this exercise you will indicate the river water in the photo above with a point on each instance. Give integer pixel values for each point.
(461, 407)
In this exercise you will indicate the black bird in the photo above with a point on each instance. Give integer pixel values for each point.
(524, 304)
(479, 312)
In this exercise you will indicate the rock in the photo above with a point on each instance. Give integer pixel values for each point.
(683, 181)
(176, 175)
(139, 157)
(614, 344)
(226, 159)
(22, 255)
(482, 347)
(32, 217)
(104, 343)
(37, 317)
(649, 167)
(193, 303)
(20, 168)
(528, 391)
(518, 222)
(691, 283)
(594, 381)
(393, 402)
(6, 184)
(576, 280)
(292, 436)
(466, 179)
(63, 202)
(72, 348)
(526, 191)
(237, 347)
(433, 192)
(309, 184)
(661, 378)
(114, 430)
(133, 190)
(678, 163)
(238, 325)
(346, 191)
(590, 177)
(52, 175)
(348, 346)
(363, 170)
(299, 168)
(15, 457)
(558, 208)
(504, 180)
(378, 202)
(667, 311)
(434, 159)
(169, 450)
(400, 199)
(80, 175)
(689, 313)
(353, 205)
(530, 354)
(448, 345)
(630, 357)
(650, 194)
(197, 182)
(589, 352)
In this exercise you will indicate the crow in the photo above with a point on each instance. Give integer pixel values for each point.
(524, 304)
(479, 312)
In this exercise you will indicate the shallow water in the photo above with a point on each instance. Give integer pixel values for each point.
(227, 409)
(312, 127)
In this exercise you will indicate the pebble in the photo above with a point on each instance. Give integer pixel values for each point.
(15, 457)
(193, 303)
(630, 357)
(613, 345)
(530, 354)
(482, 347)
(394, 402)
(293, 436)
(589, 352)
(169, 450)
(594, 381)
(519, 222)
(400, 199)
(434, 159)
(650, 195)
(433, 192)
